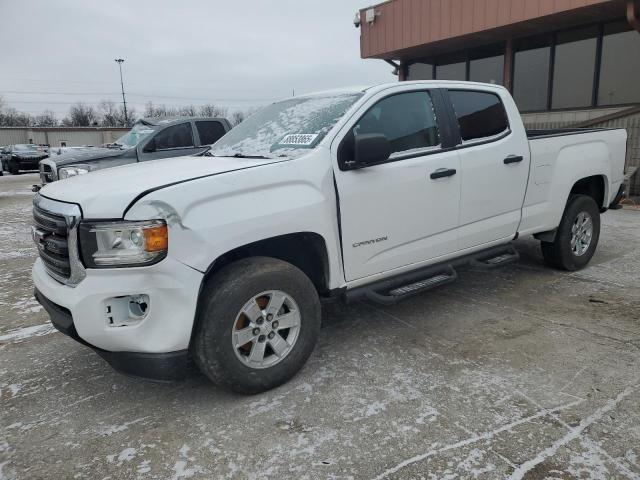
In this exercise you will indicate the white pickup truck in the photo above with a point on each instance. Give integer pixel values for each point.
(376, 193)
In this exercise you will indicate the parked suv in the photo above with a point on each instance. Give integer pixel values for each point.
(378, 193)
(149, 139)
(16, 158)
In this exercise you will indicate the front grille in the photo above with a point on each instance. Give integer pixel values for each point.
(51, 237)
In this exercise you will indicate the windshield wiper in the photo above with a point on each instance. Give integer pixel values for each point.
(242, 155)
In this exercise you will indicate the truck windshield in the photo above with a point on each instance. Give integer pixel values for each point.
(287, 128)
(139, 132)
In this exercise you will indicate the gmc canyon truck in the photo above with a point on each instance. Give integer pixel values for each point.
(372, 193)
(148, 139)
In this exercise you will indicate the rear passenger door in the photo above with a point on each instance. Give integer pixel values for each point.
(494, 162)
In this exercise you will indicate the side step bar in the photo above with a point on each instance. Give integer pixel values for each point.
(392, 290)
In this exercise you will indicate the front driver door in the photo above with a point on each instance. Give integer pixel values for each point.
(403, 212)
(174, 141)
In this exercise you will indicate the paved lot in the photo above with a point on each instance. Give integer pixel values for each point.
(523, 373)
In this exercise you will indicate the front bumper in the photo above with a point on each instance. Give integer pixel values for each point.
(163, 335)
(155, 366)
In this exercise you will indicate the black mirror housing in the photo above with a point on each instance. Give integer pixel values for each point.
(369, 149)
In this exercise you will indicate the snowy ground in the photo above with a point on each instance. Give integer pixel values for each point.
(524, 373)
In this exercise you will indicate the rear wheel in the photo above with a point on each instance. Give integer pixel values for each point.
(577, 236)
(258, 323)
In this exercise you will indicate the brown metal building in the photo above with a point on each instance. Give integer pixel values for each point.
(566, 62)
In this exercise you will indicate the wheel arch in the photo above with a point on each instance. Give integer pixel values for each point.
(594, 186)
(305, 250)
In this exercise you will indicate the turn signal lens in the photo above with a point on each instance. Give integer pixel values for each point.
(156, 239)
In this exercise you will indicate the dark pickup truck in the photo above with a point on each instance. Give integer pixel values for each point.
(149, 139)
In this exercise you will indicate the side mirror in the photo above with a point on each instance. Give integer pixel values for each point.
(369, 149)
(150, 146)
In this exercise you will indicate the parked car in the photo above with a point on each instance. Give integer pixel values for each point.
(149, 139)
(16, 158)
(376, 193)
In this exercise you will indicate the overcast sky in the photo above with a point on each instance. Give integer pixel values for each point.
(239, 53)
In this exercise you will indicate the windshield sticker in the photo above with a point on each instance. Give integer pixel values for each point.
(299, 139)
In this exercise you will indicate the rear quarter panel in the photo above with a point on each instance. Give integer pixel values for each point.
(558, 162)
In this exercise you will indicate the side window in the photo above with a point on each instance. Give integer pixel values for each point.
(174, 137)
(407, 120)
(480, 114)
(210, 132)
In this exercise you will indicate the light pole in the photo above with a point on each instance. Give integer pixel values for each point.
(124, 100)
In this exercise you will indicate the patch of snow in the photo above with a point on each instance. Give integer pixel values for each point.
(181, 471)
(28, 332)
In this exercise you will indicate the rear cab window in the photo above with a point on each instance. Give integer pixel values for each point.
(210, 131)
(481, 115)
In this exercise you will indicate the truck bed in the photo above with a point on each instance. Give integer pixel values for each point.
(534, 134)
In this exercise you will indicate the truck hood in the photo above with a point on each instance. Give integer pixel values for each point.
(107, 193)
(84, 155)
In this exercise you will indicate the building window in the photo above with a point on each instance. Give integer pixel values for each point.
(487, 70)
(531, 74)
(452, 67)
(420, 71)
(573, 70)
(620, 65)
(480, 114)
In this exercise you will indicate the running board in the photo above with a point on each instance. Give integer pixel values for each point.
(394, 289)
(397, 294)
(496, 259)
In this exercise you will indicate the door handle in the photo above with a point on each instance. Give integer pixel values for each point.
(513, 159)
(443, 172)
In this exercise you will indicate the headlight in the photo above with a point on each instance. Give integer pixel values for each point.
(123, 244)
(73, 171)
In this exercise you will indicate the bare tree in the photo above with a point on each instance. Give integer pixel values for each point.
(237, 118)
(10, 117)
(81, 115)
(188, 111)
(46, 119)
(210, 110)
(152, 110)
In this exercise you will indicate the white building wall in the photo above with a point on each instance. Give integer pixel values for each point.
(73, 137)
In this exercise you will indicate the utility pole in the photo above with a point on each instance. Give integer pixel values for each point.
(124, 100)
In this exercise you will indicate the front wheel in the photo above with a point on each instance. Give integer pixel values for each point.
(14, 167)
(258, 322)
(577, 236)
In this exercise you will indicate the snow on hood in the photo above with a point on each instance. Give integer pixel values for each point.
(107, 193)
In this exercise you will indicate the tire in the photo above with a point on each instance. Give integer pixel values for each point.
(14, 167)
(223, 301)
(561, 253)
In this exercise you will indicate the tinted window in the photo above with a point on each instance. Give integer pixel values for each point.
(174, 137)
(452, 71)
(209, 132)
(531, 75)
(487, 70)
(620, 68)
(574, 65)
(479, 114)
(420, 71)
(407, 120)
